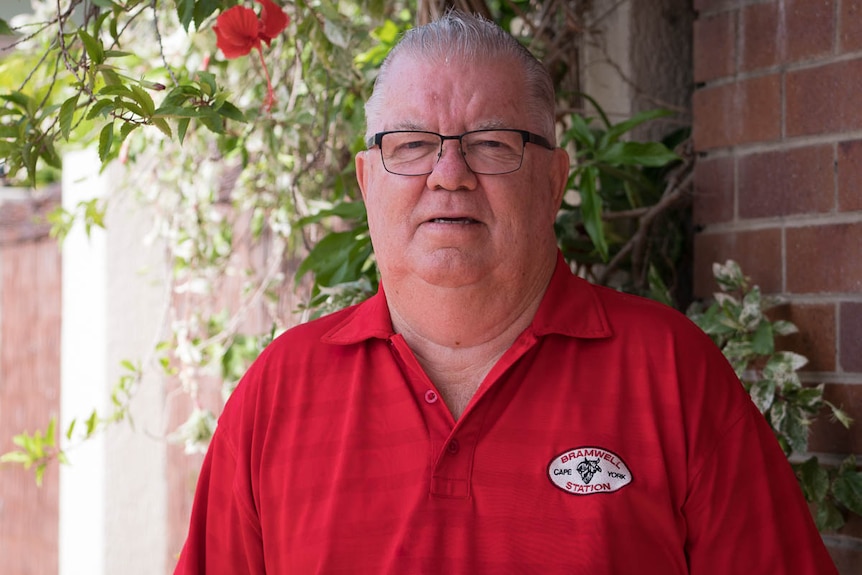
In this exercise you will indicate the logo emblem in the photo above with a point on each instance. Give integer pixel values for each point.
(589, 470)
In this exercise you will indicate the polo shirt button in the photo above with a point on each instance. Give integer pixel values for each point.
(453, 447)
(431, 396)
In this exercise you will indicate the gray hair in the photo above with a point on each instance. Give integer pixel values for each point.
(468, 37)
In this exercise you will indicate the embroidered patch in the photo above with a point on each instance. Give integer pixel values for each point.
(589, 470)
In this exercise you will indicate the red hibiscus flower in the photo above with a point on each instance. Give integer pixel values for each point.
(239, 30)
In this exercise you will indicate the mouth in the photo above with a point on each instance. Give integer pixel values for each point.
(462, 221)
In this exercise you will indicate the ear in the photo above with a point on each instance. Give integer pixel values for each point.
(362, 173)
(559, 177)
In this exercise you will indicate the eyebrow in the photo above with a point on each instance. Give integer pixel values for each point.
(485, 125)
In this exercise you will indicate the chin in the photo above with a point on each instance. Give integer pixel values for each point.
(453, 274)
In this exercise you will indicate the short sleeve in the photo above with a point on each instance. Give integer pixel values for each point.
(745, 511)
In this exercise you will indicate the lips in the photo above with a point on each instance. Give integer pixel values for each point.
(459, 220)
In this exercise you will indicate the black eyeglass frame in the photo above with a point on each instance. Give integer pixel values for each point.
(526, 136)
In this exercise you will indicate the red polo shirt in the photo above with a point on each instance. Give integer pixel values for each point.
(612, 437)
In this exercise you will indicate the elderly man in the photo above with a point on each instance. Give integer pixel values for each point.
(487, 411)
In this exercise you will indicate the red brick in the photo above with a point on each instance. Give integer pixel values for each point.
(829, 436)
(816, 336)
(757, 252)
(850, 352)
(29, 396)
(850, 26)
(759, 48)
(25, 219)
(710, 5)
(824, 259)
(846, 556)
(738, 113)
(810, 29)
(713, 190)
(850, 175)
(786, 182)
(825, 99)
(714, 47)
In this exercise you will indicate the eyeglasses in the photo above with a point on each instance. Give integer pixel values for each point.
(488, 152)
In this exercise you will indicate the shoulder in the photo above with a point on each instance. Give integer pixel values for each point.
(301, 355)
(641, 312)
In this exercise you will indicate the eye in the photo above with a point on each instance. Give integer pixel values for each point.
(487, 142)
(492, 143)
(416, 144)
(412, 144)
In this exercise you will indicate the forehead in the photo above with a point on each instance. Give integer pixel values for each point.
(453, 95)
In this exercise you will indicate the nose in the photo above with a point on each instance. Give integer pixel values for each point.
(451, 171)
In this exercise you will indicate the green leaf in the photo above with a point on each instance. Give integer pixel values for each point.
(15, 457)
(813, 479)
(211, 120)
(203, 10)
(106, 140)
(117, 90)
(795, 429)
(110, 77)
(5, 30)
(591, 211)
(67, 112)
(827, 517)
(144, 99)
(337, 258)
(840, 415)
(777, 416)
(103, 107)
(107, 4)
(617, 130)
(729, 276)
(763, 342)
(763, 394)
(580, 132)
(809, 398)
(92, 422)
(51, 432)
(49, 154)
(207, 83)
(185, 12)
(782, 327)
(344, 210)
(23, 101)
(163, 126)
(9, 132)
(847, 489)
(231, 112)
(792, 360)
(93, 46)
(171, 111)
(651, 154)
(127, 128)
(182, 126)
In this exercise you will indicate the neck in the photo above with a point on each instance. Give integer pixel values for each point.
(458, 334)
(462, 318)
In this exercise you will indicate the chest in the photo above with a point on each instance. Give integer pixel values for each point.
(394, 479)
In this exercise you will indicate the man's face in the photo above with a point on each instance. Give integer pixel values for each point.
(453, 228)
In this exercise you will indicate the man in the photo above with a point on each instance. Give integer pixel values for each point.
(487, 411)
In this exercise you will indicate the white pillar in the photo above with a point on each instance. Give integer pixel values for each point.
(113, 502)
(83, 376)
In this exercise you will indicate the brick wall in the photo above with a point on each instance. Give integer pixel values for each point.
(29, 378)
(778, 185)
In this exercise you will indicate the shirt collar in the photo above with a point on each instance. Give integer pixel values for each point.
(570, 307)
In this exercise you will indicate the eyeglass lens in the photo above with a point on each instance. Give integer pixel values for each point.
(484, 151)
